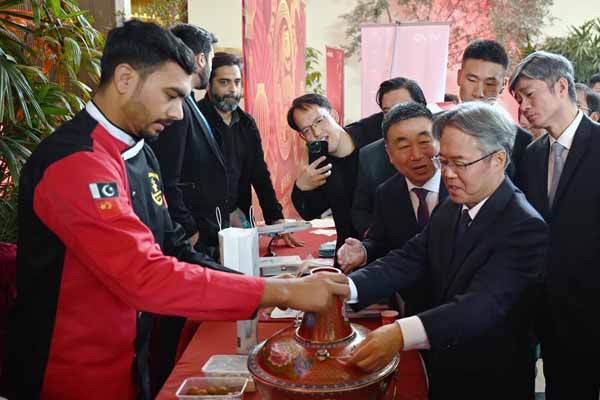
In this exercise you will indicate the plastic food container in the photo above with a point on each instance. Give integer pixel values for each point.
(212, 388)
(222, 365)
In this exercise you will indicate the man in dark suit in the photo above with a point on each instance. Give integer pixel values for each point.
(481, 256)
(404, 202)
(188, 144)
(399, 213)
(557, 175)
(374, 165)
(482, 76)
(211, 158)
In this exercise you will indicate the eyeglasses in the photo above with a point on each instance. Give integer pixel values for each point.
(457, 166)
(308, 131)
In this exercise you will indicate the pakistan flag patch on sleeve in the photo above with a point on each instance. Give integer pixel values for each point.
(106, 199)
(104, 190)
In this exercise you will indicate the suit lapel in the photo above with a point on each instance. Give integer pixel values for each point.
(480, 228)
(405, 204)
(538, 179)
(200, 119)
(443, 193)
(576, 153)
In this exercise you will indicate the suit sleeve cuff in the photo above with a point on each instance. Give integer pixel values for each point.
(413, 332)
(353, 292)
(366, 255)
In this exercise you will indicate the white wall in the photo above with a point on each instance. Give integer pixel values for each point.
(324, 28)
(222, 17)
(569, 12)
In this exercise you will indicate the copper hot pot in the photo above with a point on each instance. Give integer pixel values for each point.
(307, 361)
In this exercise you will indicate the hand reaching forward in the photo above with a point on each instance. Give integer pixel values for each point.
(311, 293)
(352, 254)
(378, 349)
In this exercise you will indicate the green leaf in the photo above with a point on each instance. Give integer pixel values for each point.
(55, 7)
(72, 52)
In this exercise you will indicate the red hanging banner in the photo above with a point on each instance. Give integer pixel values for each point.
(274, 75)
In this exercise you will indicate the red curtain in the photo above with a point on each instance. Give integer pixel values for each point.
(273, 45)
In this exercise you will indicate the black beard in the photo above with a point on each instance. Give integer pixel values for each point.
(220, 103)
(149, 137)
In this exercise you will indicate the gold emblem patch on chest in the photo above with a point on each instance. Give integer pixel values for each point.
(156, 193)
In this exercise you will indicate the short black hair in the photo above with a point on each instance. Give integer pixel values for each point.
(591, 98)
(595, 79)
(402, 112)
(449, 97)
(198, 39)
(486, 50)
(302, 103)
(411, 86)
(145, 46)
(593, 101)
(222, 59)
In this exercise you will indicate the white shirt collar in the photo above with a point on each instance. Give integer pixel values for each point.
(432, 185)
(473, 211)
(566, 138)
(114, 131)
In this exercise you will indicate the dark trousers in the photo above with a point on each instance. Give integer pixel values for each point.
(155, 356)
(571, 375)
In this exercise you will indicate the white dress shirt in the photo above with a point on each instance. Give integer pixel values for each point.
(566, 140)
(413, 331)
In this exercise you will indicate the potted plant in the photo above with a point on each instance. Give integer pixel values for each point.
(45, 48)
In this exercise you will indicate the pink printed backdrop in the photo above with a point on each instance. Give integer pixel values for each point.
(415, 51)
(274, 39)
(335, 81)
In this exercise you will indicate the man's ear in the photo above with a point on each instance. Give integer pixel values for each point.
(504, 83)
(387, 150)
(595, 116)
(501, 158)
(562, 85)
(458, 75)
(125, 78)
(201, 60)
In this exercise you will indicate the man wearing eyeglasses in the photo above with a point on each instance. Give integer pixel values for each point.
(329, 181)
(481, 257)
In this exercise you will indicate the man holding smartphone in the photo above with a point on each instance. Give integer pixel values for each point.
(329, 180)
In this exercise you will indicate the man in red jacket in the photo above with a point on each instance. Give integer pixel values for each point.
(86, 262)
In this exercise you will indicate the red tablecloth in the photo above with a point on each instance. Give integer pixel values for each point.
(199, 343)
(220, 338)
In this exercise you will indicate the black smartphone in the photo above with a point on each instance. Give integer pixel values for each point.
(316, 149)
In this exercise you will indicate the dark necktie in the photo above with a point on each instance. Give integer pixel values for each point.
(557, 152)
(422, 210)
(463, 225)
